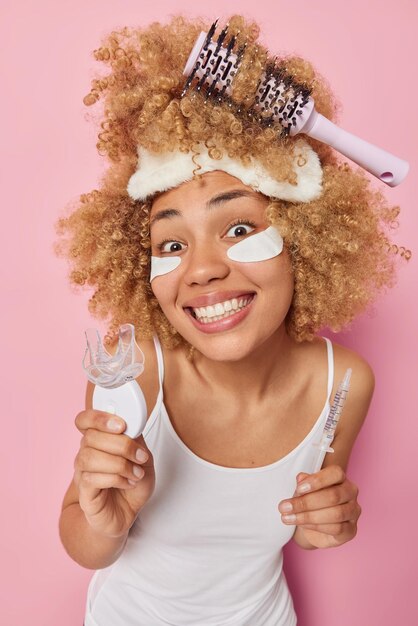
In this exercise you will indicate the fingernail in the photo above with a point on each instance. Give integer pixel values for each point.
(114, 424)
(285, 507)
(303, 488)
(289, 518)
(141, 456)
(138, 471)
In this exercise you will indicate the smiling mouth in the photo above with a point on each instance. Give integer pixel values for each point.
(220, 311)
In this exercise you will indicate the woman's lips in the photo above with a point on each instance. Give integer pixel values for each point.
(210, 299)
(224, 324)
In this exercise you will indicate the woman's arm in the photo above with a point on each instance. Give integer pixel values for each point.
(86, 547)
(83, 543)
(327, 515)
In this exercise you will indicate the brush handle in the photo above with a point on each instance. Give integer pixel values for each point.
(384, 165)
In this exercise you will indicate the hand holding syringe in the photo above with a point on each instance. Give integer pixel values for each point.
(332, 420)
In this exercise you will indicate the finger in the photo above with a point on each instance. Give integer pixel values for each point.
(95, 461)
(119, 445)
(327, 497)
(301, 476)
(99, 420)
(326, 477)
(92, 483)
(332, 529)
(140, 441)
(349, 511)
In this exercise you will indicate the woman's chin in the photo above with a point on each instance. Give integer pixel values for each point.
(223, 348)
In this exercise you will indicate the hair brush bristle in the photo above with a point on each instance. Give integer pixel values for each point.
(279, 99)
(280, 102)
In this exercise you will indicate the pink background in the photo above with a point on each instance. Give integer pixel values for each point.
(368, 51)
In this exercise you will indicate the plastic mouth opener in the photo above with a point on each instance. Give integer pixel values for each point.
(116, 390)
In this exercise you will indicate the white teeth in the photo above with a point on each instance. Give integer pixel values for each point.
(221, 309)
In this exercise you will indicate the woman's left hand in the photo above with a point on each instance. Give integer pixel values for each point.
(325, 515)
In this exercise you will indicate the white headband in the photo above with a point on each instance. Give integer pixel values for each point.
(160, 172)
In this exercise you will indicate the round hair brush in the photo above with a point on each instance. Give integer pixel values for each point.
(281, 101)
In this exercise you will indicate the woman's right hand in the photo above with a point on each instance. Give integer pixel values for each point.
(103, 466)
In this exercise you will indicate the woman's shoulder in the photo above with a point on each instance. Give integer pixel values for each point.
(343, 359)
(362, 373)
(313, 357)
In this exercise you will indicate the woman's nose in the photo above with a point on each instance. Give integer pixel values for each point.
(205, 263)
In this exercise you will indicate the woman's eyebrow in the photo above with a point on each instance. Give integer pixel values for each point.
(163, 214)
(229, 195)
(215, 201)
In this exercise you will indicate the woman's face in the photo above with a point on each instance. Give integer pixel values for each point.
(198, 222)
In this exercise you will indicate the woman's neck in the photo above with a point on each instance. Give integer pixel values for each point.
(250, 377)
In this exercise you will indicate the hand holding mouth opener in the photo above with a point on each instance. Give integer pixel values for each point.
(116, 390)
(332, 420)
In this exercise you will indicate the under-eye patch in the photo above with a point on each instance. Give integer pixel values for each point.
(163, 265)
(259, 247)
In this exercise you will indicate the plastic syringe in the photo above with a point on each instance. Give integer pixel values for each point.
(332, 420)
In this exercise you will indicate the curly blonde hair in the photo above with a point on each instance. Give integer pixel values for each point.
(338, 244)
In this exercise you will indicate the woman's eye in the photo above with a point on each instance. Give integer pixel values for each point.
(239, 230)
(170, 246)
